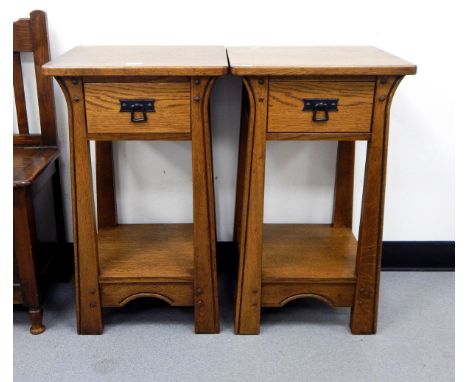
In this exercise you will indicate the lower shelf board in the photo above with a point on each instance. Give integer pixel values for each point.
(308, 260)
(146, 253)
(146, 260)
(308, 253)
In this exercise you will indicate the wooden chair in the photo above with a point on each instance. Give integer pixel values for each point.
(34, 163)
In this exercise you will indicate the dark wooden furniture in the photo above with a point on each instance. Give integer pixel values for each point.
(313, 93)
(34, 163)
(107, 90)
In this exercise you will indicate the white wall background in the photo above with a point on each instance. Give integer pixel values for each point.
(154, 178)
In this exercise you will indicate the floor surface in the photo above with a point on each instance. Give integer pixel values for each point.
(304, 341)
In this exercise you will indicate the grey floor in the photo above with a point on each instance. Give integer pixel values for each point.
(304, 341)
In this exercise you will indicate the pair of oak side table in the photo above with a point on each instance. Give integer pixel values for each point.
(289, 93)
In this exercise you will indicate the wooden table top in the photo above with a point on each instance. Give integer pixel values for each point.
(140, 61)
(316, 60)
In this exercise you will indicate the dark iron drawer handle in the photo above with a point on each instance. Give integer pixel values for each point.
(320, 106)
(136, 107)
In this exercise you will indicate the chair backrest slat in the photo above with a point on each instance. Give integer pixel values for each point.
(27, 140)
(31, 35)
(45, 90)
(20, 99)
(22, 41)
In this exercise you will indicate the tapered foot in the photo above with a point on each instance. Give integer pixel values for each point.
(35, 315)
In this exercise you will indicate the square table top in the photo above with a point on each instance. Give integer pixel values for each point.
(316, 60)
(140, 61)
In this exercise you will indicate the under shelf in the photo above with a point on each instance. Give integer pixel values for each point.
(308, 253)
(146, 253)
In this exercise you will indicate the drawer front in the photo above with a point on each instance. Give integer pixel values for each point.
(286, 104)
(171, 104)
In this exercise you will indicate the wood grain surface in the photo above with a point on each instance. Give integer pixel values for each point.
(308, 252)
(366, 301)
(249, 235)
(20, 99)
(204, 216)
(174, 293)
(30, 162)
(277, 294)
(286, 103)
(88, 300)
(315, 60)
(172, 107)
(105, 193)
(140, 61)
(344, 185)
(151, 252)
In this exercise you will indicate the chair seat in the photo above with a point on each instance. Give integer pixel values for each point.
(30, 162)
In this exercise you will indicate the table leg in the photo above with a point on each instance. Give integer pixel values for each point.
(88, 301)
(250, 216)
(105, 195)
(58, 205)
(365, 306)
(204, 220)
(344, 185)
(241, 194)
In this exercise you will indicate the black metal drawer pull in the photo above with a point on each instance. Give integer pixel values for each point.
(320, 106)
(136, 107)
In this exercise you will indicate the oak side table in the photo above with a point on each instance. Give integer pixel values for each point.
(140, 93)
(313, 93)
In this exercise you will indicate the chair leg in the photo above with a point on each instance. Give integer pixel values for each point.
(35, 316)
(25, 245)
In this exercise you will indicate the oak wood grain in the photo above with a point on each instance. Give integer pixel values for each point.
(120, 294)
(30, 162)
(142, 136)
(365, 308)
(242, 160)
(315, 60)
(45, 91)
(146, 252)
(308, 252)
(20, 99)
(172, 105)
(204, 217)
(307, 136)
(248, 300)
(276, 294)
(30, 35)
(105, 194)
(140, 61)
(27, 140)
(22, 39)
(344, 185)
(88, 301)
(25, 249)
(286, 103)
